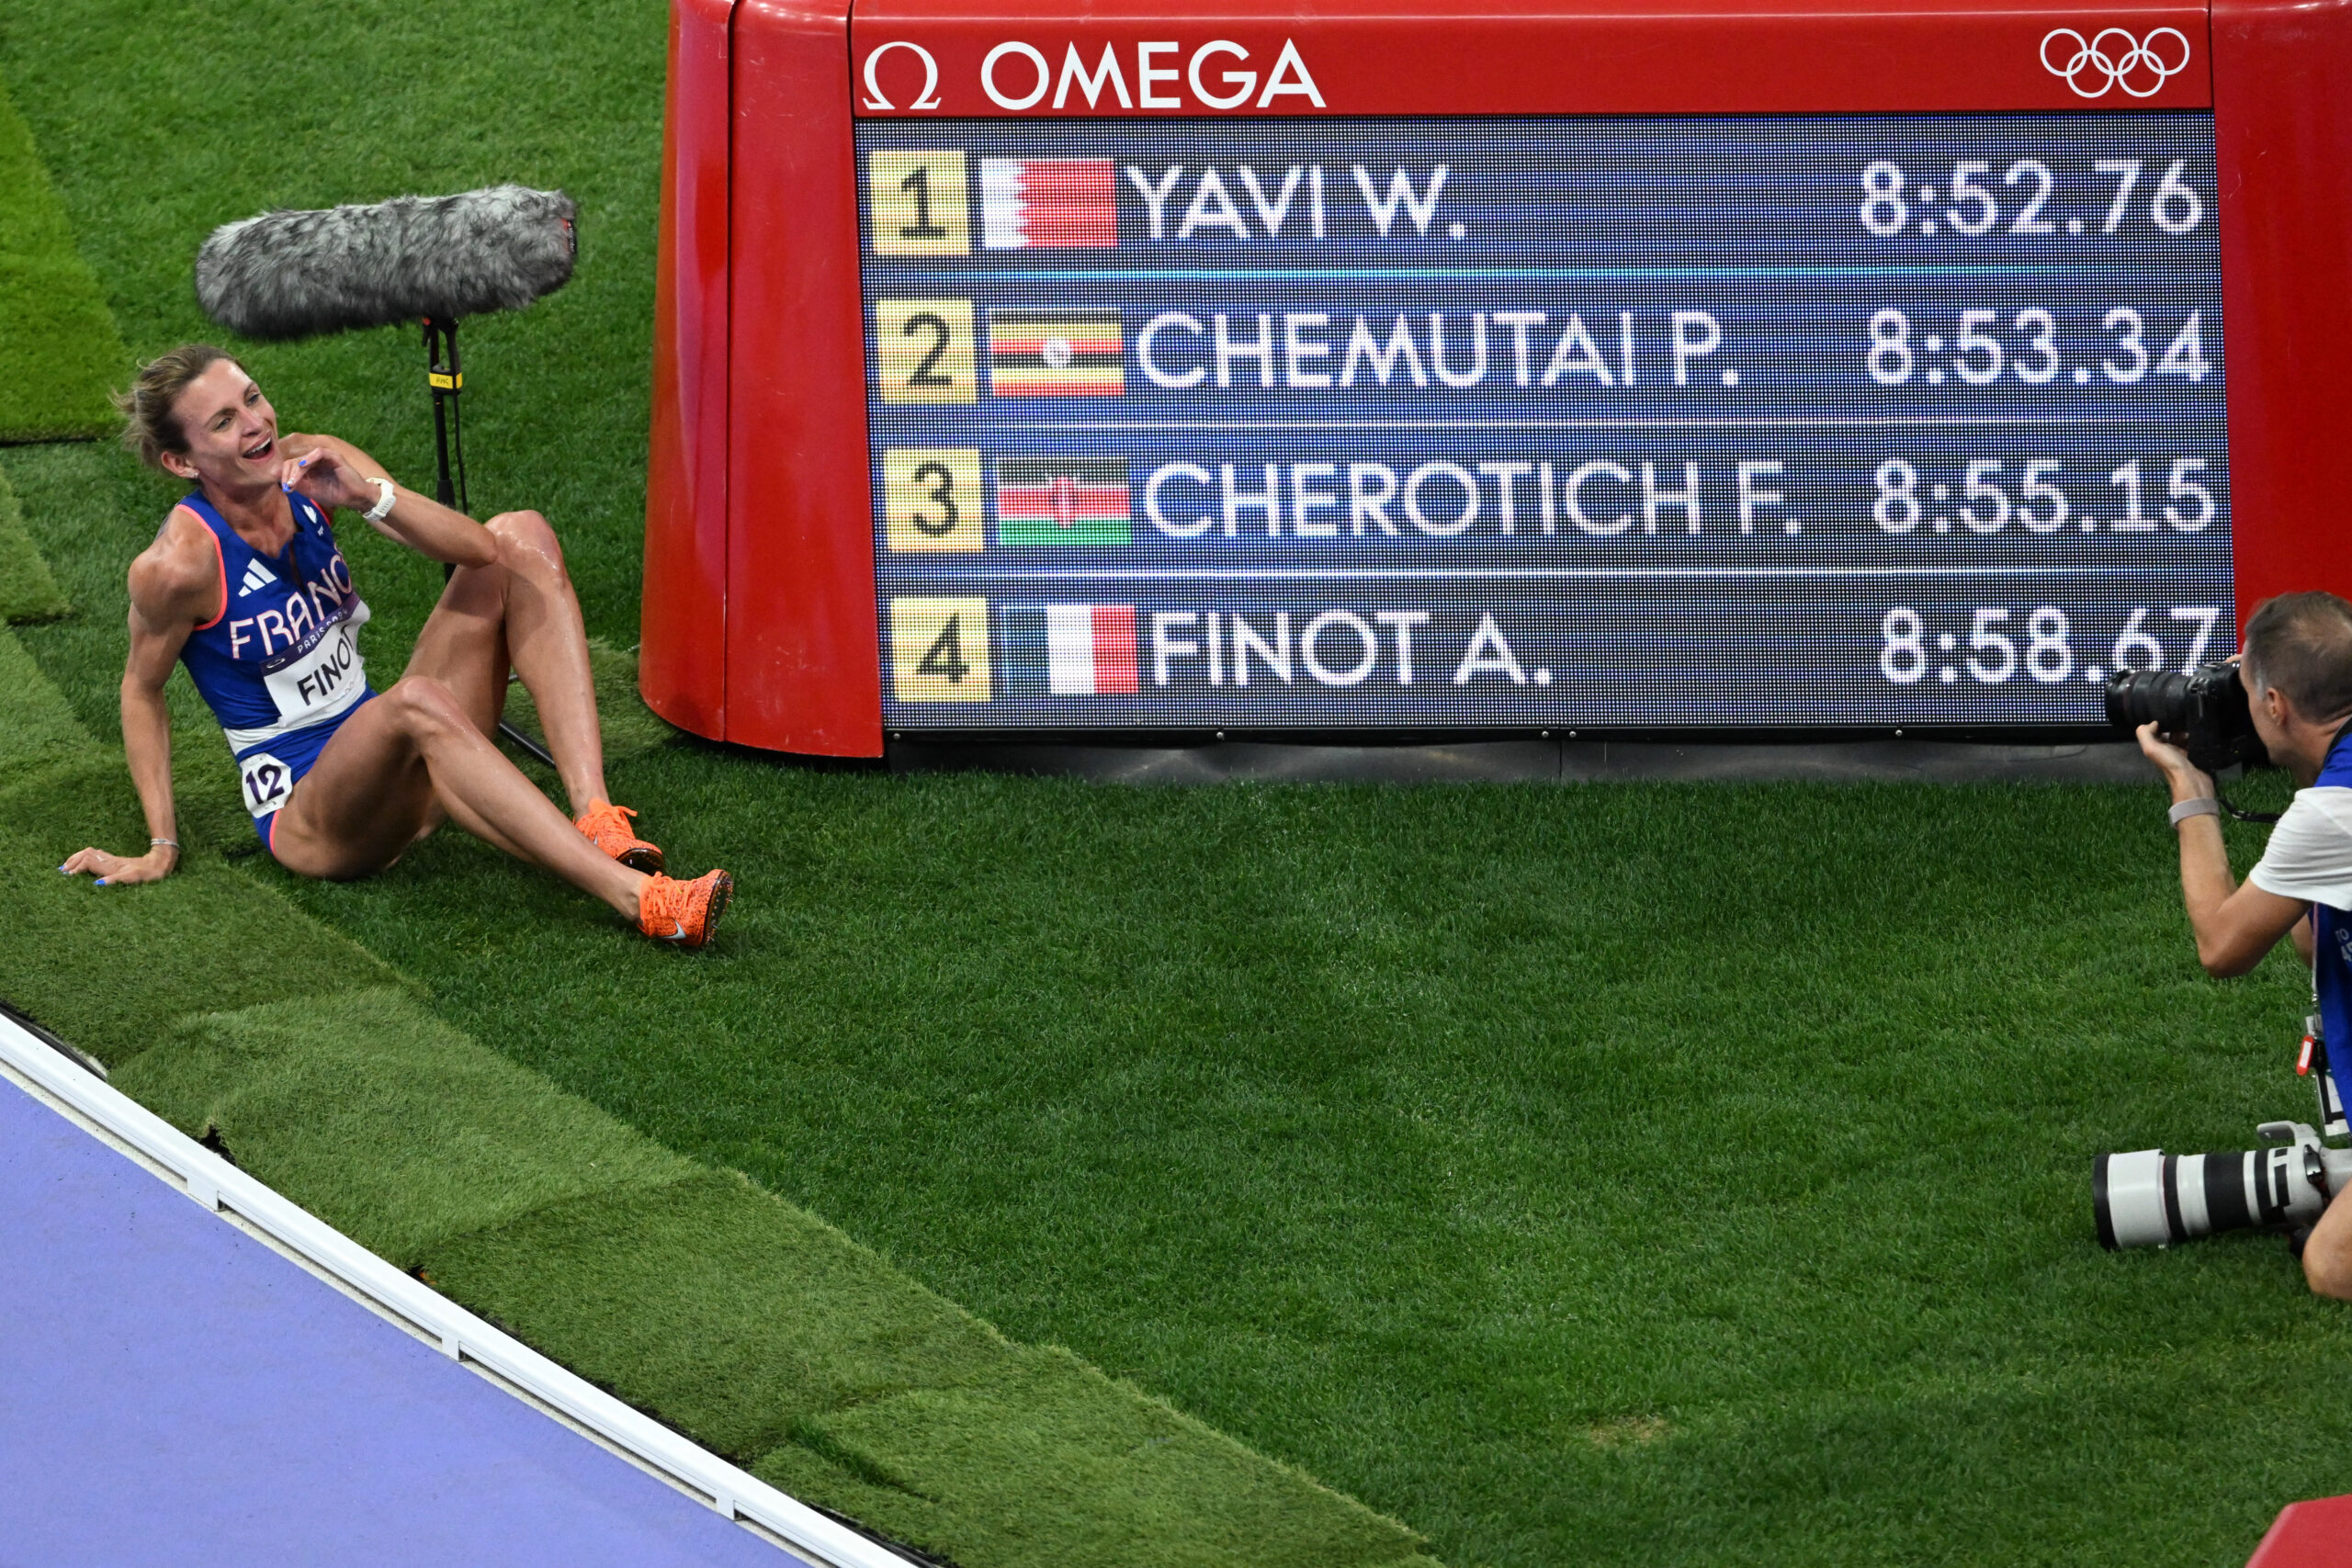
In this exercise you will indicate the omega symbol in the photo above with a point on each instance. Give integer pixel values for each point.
(926, 99)
(2113, 58)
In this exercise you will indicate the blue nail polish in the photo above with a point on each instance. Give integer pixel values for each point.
(101, 881)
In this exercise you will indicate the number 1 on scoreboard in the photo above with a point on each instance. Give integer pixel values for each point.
(916, 204)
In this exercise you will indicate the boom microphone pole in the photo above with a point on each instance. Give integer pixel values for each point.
(288, 274)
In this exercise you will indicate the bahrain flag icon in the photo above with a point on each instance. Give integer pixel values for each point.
(1033, 203)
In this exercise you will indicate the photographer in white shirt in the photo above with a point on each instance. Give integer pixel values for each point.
(2297, 669)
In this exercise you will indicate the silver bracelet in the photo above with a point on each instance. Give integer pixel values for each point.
(2203, 806)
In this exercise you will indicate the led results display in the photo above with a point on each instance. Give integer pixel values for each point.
(1501, 423)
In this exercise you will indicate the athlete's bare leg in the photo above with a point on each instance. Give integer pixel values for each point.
(520, 612)
(425, 749)
(399, 761)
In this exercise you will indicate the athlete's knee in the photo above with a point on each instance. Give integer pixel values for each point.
(526, 544)
(426, 708)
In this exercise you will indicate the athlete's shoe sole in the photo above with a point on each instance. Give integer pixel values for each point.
(606, 826)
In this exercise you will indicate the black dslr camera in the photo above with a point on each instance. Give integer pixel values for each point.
(2204, 710)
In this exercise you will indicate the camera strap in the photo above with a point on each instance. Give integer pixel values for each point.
(2313, 1062)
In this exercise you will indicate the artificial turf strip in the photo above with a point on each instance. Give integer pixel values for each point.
(1041, 1461)
(28, 593)
(776, 1341)
(749, 1325)
(731, 1313)
(59, 348)
(391, 1125)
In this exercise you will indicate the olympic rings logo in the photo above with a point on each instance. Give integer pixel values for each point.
(2125, 62)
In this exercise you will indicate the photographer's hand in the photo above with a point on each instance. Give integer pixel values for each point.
(2188, 781)
(2234, 926)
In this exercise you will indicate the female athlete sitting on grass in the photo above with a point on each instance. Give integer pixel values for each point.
(246, 586)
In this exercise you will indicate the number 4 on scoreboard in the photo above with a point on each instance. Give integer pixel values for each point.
(939, 650)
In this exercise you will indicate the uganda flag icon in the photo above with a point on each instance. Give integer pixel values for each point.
(1090, 650)
(1056, 353)
(1062, 500)
(1044, 203)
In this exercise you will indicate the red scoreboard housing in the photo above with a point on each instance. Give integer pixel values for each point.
(761, 624)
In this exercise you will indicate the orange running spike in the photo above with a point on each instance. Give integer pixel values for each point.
(686, 913)
(606, 826)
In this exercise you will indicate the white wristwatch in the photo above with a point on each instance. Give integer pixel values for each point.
(383, 507)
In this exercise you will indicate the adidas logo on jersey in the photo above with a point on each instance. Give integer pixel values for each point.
(257, 579)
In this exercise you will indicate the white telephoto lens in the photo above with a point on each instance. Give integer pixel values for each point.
(2128, 1195)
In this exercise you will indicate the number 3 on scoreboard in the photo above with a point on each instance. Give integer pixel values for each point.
(924, 350)
(939, 650)
(931, 498)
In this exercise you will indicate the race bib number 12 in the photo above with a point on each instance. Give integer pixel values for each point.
(267, 784)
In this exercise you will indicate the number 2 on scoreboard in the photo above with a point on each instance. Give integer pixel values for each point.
(939, 650)
(923, 350)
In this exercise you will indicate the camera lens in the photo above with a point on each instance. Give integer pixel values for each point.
(2149, 1198)
(2136, 696)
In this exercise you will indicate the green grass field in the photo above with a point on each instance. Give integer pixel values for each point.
(1585, 1175)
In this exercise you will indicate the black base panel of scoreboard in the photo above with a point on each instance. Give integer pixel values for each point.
(2097, 758)
(1489, 426)
(1755, 735)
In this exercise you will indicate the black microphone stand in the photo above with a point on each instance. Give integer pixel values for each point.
(448, 380)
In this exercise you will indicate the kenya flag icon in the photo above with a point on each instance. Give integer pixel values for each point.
(1033, 203)
(1062, 500)
(1090, 650)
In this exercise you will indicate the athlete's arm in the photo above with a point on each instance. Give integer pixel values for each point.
(174, 585)
(334, 473)
(2235, 925)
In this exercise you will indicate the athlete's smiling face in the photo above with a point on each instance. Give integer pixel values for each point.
(230, 428)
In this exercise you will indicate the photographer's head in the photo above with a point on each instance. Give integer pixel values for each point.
(2297, 667)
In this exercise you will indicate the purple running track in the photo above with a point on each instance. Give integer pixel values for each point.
(174, 1393)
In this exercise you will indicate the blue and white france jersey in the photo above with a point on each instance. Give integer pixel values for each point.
(279, 665)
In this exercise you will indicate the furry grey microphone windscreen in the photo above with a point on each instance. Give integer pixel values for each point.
(288, 274)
